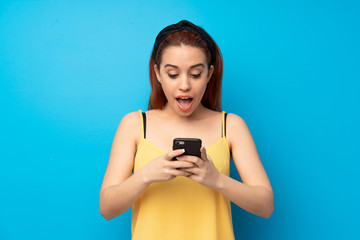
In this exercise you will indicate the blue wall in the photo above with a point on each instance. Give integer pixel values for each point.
(70, 70)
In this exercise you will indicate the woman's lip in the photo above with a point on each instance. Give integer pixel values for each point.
(184, 96)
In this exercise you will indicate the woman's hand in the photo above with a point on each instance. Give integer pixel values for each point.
(164, 168)
(204, 171)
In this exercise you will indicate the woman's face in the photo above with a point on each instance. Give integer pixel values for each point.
(183, 75)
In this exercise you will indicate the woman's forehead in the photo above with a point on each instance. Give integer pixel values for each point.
(183, 55)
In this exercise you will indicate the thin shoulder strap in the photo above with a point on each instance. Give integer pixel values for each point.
(224, 115)
(143, 121)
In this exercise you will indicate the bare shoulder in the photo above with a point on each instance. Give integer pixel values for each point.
(130, 119)
(236, 129)
(130, 126)
(235, 121)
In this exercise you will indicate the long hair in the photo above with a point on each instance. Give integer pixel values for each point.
(212, 95)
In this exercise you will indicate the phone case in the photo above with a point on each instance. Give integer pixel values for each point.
(191, 145)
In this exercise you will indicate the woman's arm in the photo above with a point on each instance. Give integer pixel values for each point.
(255, 193)
(120, 189)
(258, 200)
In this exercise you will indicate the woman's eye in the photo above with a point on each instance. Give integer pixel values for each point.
(196, 75)
(173, 75)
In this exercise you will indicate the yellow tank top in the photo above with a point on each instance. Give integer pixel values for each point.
(182, 208)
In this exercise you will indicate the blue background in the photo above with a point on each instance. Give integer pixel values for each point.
(70, 70)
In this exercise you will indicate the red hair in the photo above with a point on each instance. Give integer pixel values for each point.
(212, 95)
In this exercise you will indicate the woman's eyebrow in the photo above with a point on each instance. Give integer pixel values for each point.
(197, 65)
(193, 66)
(170, 65)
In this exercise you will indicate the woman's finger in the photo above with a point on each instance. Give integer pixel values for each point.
(182, 164)
(203, 154)
(192, 171)
(195, 160)
(170, 155)
(179, 172)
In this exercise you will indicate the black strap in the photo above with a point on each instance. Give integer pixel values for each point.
(224, 125)
(144, 123)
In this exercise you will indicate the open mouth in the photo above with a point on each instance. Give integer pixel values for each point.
(184, 103)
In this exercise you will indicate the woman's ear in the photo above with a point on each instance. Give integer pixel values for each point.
(211, 70)
(157, 72)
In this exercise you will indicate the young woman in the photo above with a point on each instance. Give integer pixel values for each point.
(187, 198)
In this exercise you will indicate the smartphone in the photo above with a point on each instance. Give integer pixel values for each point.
(191, 145)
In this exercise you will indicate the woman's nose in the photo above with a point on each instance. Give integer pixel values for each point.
(185, 84)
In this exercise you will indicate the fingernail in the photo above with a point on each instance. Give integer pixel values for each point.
(183, 150)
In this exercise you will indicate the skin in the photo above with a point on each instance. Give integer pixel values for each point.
(184, 71)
